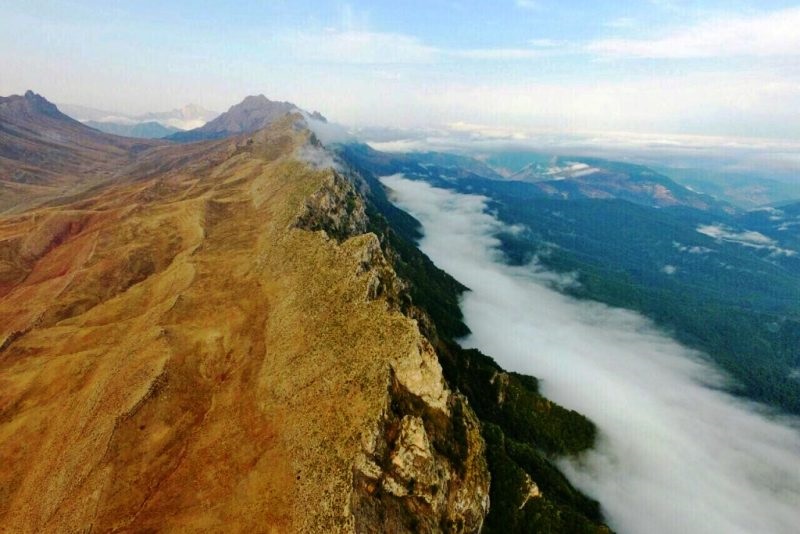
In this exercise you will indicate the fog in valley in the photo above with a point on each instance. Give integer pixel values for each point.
(675, 454)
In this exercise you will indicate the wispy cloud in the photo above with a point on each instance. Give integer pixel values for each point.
(353, 46)
(546, 43)
(496, 53)
(359, 47)
(528, 4)
(769, 34)
(621, 22)
(746, 238)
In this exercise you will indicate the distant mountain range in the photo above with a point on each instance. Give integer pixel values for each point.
(190, 123)
(185, 118)
(147, 125)
(581, 177)
(143, 130)
(552, 177)
(737, 187)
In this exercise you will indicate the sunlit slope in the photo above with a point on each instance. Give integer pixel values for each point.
(187, 351)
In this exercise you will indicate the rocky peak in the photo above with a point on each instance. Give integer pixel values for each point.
(29, 105)
(251, 114)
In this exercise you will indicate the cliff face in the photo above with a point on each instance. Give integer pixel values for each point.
(421, 467)
(524, 433)
(220, 345)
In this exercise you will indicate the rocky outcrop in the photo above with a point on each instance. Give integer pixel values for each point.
(530, 490)
(422, 466)
(335, 208)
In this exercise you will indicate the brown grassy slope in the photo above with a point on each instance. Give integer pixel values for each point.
(176, 356)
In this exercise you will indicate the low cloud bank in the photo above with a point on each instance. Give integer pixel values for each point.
(772, 158)
(674, 455)
(747, 238)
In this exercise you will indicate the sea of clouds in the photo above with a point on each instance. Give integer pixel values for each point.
(675, 453)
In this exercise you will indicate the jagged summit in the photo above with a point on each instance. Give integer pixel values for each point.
(28, 106)
(251, 114)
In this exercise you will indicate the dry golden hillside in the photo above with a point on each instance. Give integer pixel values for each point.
(210, 345)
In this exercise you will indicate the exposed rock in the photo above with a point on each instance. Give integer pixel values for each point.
(335, 208)
(410, 477)
(500, 381)
(420, 374)
(382, 280)
(413, 467)
(251, 114)
(529, 491)
(422, 467)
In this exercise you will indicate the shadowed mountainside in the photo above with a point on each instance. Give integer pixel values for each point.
(141, 130)
(45, 154)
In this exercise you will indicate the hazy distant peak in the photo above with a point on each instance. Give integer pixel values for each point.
(251, 114)
(193, 110)
(259, 102)
(316, 115)
(252, 100)
(185, 118)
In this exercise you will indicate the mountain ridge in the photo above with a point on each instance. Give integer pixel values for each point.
(241, 381)
(237, 316)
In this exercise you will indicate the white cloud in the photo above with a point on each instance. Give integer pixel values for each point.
(365, 47)
(621, 22)
(546, 43)
(776, 33)
(746, 238)
(571, 170)
(497, 53)
(400, 145)
(486, 132)
(667, 102)
(359, 47)
(674, 455)
(528, 4)
(691, 250)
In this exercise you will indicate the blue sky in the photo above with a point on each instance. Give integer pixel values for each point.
(660, 66)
